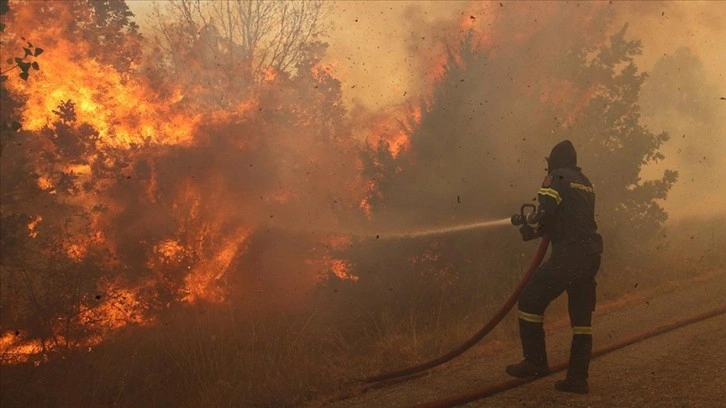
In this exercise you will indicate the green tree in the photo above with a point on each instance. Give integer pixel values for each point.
(615, 145)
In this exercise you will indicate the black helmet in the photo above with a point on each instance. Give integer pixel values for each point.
(562, 155)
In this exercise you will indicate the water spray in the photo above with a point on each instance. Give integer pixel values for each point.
(517, 219)
(446, 230)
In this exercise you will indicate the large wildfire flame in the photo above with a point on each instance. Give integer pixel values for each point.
(129, 114)
(125, 111)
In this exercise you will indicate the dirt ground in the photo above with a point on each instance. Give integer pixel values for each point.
(681, 368)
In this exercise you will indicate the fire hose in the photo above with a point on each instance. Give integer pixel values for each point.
(488, 327)
(517, 219)
(515, 382)
(387, 378)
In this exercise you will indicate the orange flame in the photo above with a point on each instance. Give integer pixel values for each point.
(203, 281)
(123, 110)
(32, 225)
(16, 348)
(116, 308)
(394, 130)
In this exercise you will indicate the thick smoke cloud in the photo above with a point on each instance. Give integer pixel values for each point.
(386, 54)
(668, 30)
(482, 155)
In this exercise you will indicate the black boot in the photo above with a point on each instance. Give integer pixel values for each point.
(535, 352)
(572, 385)
(527, 369)
(578, 369)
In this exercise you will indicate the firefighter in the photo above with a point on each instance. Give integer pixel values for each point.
(566, 213)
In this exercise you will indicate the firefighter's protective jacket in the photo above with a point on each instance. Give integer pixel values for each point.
(567, 205)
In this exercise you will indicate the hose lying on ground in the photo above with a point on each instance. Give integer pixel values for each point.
(506, 307)
(515, 382)
(384, 379)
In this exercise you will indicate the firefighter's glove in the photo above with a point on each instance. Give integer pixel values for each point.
(528, 233)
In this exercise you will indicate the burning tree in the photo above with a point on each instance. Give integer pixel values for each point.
(156, 194)
(127, 198)
(230, 47)
(58, 274)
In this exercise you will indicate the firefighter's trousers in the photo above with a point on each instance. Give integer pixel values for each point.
(574, 274)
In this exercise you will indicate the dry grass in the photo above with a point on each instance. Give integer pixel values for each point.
(214, 357)
(223, 356)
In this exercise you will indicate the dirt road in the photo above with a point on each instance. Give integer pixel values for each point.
(682, 368)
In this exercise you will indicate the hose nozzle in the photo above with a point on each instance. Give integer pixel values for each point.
(517, 219)
(522, 218)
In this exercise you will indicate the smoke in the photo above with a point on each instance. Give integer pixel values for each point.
(682, 53)
(477, 147)
(388, 53)
(684, 94)
(385, 49)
